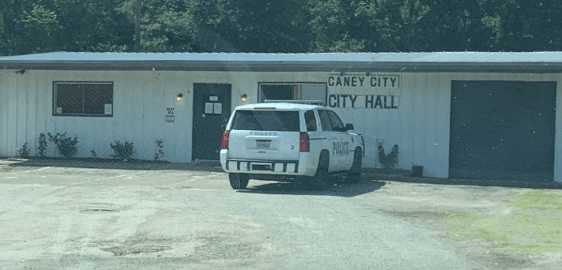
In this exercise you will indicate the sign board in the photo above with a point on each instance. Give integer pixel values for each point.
(213, 108)
(364, 91)
(363, 101)
(108, 109)
(209, 108)
(170, 115)
(217, 108)
(376, 81)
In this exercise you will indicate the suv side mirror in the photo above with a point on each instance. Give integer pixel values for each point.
(349, 127)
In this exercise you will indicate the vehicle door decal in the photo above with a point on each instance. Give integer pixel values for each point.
(340, 148)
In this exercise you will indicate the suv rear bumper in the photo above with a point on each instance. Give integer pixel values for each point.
(263, 166)
(268, 167)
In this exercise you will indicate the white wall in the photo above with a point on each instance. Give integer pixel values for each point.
(420, 126)
(140, 102)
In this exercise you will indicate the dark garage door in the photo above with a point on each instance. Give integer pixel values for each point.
(503, 130)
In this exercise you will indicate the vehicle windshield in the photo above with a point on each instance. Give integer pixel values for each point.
(266, 121)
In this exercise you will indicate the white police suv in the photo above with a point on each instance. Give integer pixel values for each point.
(286, 141)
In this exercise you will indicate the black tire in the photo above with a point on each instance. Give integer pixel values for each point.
(238, 181)
(354, 174)
(322, 177)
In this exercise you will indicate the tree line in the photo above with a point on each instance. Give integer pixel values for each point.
(29, 26)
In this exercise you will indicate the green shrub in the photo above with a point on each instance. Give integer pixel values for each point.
(24, 151)
(390, 160)
(42, 145)
(67, 146)
(159, 151)
(123, 150)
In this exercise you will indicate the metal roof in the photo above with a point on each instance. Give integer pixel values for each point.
(536, 62)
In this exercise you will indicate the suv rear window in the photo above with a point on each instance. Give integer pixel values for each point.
(310, 121)
(266, 120)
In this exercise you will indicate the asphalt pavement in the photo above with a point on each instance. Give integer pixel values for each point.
(73, 218)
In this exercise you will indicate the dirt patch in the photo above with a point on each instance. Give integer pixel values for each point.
(174, 188)
(4, 169)
(224, 248)
(99, 208)
(135, 249)
(95, 210)
(416, 214)
(89, 163)
(136, 245)
(504, 261)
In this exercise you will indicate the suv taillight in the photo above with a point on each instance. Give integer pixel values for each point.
(225, 139)
(304, 143)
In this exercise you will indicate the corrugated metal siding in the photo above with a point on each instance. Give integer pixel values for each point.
(420, 127)
(139, 108)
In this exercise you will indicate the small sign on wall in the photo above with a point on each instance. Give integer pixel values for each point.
(217, 108)
(170, 115)
(213, 108)
(108, 109)
(208, 108)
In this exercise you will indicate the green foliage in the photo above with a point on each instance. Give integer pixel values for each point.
(24, 151)
(159, 151)
(528, 224)
(28, 26)
(42, 148)
(390, 160)
(67, 146)
(123, 150)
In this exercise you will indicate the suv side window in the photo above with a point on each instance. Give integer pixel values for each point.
(337, 124)
(325, 120)
(310, 120)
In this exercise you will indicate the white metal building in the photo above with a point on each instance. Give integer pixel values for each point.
(458, 114)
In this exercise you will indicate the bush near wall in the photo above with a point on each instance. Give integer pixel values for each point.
(67, 146)
(123, 150)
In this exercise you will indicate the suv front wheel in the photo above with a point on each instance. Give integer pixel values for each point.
(354, 174)
(238, 181)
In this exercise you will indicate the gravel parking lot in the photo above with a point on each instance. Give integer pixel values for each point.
(54, 216)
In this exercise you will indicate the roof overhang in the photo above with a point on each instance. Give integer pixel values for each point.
(282, 66)
(512, 62)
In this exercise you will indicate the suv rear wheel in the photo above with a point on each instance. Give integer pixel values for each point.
(238, 181)
(322, 177)
(354, 174)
